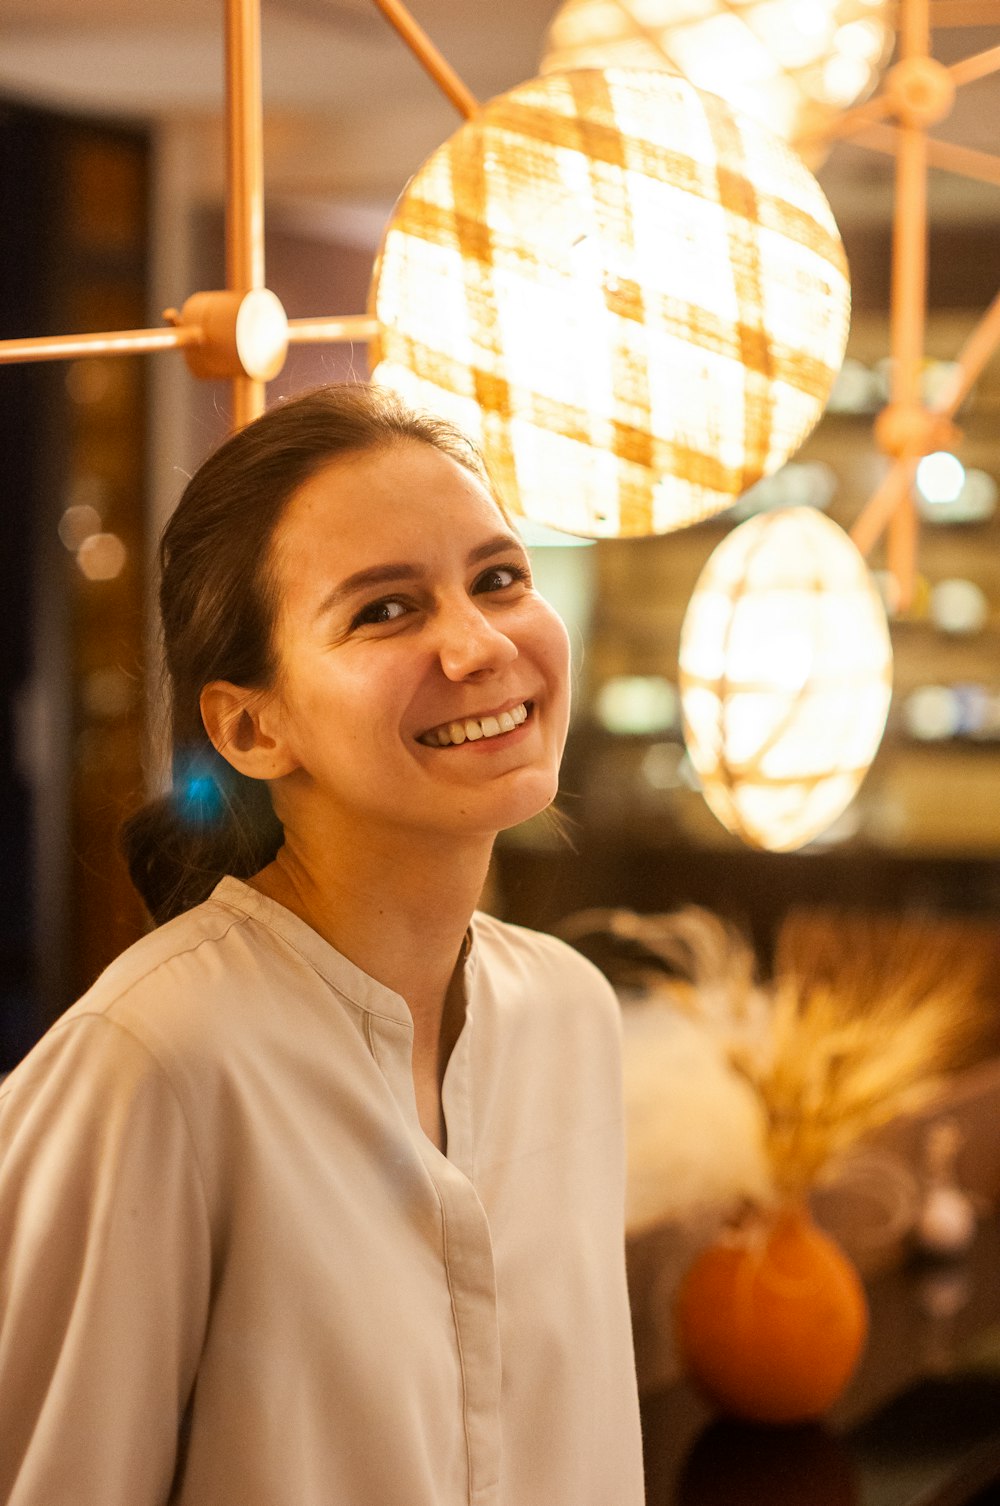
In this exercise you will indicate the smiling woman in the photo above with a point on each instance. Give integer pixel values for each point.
(318, 1194)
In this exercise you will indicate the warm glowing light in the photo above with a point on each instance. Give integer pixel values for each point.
(261, 334)
(790, 64)
(975, 503)
(101, 556)
(78, 523)
(635, 301)
(940, 477)
(785, 676)
(844, 79)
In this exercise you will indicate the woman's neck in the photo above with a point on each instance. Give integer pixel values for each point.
(398, 908)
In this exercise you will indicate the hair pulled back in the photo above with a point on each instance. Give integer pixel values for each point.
(218, 603)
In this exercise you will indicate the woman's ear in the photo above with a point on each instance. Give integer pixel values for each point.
(241, 725)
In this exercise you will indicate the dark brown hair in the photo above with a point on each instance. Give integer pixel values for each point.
(218, 604)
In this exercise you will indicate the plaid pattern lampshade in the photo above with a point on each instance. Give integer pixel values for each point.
(785, 677)
(791, 64)
(633, 299)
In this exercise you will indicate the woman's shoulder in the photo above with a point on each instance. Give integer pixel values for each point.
(199, 944)
(167, 992)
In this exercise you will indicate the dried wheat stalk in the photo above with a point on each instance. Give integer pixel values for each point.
(830, 1059)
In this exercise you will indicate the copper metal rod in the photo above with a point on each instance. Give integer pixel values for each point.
(914, 28)
(329, 330)
(873, 110)
(244, 177)
(901, 540)
(873, 518)
(977, 350)
(909, 265)
(429, 57)
(116, 343)
(978, 66)
(845, 124)
(244, 148)
(248, 400)
(983, 167)
(908, 301)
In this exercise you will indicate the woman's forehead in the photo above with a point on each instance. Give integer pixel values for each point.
(409, 501)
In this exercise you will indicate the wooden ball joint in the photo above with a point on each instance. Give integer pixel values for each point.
(909, 429)
(233, 334)
(922, 91)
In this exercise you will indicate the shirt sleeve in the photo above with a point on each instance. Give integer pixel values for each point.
(105, 1260)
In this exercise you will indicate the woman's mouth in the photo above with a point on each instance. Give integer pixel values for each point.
(473, 728)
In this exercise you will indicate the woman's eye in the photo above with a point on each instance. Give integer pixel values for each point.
(501, 577)
(377, 612)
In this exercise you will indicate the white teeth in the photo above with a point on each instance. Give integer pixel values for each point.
(473, 728)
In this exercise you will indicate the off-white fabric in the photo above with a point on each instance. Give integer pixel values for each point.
(235, 1272)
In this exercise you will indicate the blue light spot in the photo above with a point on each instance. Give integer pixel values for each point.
(200, 799)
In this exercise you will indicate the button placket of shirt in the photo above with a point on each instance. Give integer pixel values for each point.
(467, 1247)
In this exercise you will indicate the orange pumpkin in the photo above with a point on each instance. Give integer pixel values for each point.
(771, 1322)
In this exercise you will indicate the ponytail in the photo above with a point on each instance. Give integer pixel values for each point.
(213, 821)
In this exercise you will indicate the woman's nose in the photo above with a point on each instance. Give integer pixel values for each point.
(469, 644)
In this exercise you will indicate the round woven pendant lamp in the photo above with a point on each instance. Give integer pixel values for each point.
(792, 65)
(785, 677)
(635, 300)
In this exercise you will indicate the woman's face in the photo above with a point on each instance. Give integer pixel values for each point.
(422, 681)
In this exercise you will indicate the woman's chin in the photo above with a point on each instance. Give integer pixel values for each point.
(533, 796)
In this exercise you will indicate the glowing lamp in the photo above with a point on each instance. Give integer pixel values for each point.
(793, 65)
(785, 676)
(633, 299)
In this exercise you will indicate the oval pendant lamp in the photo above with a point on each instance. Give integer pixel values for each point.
(785, 677)
(635, 300)
(792, 65)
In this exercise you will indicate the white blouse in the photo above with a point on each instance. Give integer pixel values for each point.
(234, 1271)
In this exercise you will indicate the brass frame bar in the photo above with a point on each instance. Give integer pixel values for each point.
(244, 148)
(870, 113)
(329, 330)
(964, 161)
(914, 28)
(428, 56)
(244, 177)
(908, 300)
(980, 345)
(114, 343)
(980, 65)
(878, 511)
(873, 111)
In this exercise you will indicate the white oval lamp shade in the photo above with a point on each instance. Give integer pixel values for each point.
(635, 301)
(793, 65)
(785, 677)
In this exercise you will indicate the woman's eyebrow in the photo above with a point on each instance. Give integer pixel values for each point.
(381, 575)
(375, 575)
(500, 543)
